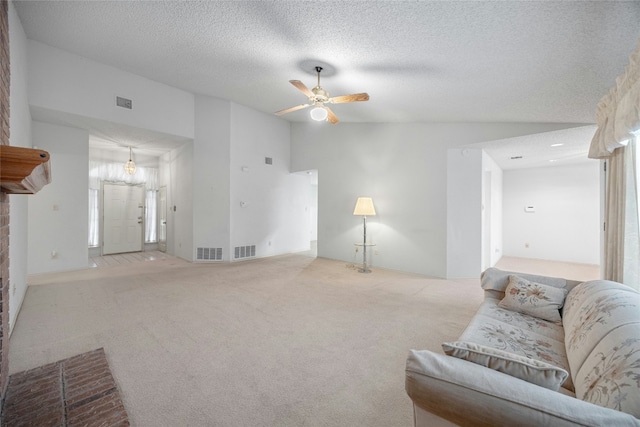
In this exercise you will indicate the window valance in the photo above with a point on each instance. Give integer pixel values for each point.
(618, 112)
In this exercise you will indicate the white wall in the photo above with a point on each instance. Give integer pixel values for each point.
(228, 138)
(58, 214)
(276, 213)
(403, 166)
(395, 165)
(62, 81)
(198, 175)
(492, 191)
(211, 176)
(464, 212)
(20, 135)
(566, 223)
(181, 202)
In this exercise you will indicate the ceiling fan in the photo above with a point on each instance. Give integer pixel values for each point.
(318, 98)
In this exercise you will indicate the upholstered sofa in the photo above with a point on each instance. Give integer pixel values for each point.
(540, 351)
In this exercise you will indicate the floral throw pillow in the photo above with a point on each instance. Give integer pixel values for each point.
(534, 299)
(522, 367)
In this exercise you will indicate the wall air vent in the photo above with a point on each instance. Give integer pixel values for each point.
(209, 254)
(244, 252)
(124, 102)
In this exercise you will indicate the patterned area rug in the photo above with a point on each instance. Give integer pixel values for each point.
(79, 390)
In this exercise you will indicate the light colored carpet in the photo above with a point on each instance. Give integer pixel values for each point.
(573, 271)
(283, 341)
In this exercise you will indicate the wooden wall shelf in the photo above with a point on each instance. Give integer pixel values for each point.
(23, 170)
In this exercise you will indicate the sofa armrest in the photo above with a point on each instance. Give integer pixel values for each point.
(470, 394)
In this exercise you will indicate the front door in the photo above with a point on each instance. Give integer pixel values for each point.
(123, 218)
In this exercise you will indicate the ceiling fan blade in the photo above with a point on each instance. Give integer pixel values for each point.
(331, 118)
(289, 110)
(301, 87)
(350, 98)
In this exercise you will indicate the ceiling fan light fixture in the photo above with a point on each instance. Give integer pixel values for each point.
(319, 114)
(319, 98)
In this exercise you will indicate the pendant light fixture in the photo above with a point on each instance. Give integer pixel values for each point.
(130, 166)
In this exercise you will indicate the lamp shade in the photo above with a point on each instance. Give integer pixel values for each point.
(364, 206)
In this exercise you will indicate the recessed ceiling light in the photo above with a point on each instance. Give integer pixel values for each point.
(557, 145)
(553, 160)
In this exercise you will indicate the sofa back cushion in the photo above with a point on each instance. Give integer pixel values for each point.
(494, 281)
(610, 376)
(602, 340)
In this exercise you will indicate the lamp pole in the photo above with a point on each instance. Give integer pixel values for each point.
(364, 268)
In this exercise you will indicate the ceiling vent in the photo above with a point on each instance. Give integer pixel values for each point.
(268, 160)
(124, 102)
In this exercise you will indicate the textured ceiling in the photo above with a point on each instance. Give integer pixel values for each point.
(481, 61)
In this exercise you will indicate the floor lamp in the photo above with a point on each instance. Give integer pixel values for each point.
(364, 207)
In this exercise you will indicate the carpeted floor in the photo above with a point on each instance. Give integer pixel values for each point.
(283, 341)
(566, 270)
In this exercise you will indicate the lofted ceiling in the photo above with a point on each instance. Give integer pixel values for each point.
(420, 61)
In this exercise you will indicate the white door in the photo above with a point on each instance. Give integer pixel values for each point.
(123, 218)
(162, 219)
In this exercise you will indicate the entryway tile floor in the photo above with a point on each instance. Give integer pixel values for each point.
(127, 258)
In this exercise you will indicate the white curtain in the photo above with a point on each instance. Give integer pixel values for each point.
(631, 268)
(151, 216)
(616, 140)
(114, 172)
(94, 236)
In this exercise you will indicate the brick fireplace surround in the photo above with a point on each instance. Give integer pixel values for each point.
(4, 198)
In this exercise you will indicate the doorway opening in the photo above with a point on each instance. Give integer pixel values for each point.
(311, 210)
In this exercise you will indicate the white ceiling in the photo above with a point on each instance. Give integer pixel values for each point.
(426, 61)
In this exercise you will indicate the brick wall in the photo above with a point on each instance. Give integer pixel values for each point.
(4, 198)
